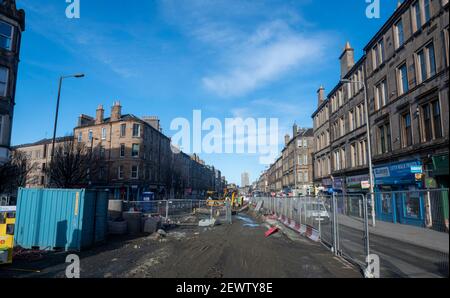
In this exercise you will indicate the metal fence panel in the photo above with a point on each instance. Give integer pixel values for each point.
(411, 233)
(350, 225)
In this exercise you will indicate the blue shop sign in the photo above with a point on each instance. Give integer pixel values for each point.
(397, 174)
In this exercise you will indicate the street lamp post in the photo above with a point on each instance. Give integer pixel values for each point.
(57, 110)
(369, 145)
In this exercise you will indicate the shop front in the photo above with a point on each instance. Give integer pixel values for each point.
(437, 178)
(354, 186)
(398, 194)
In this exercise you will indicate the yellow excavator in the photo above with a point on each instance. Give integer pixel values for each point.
(231, 195)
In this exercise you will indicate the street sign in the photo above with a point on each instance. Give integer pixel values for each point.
(365, 184)
(416, 169)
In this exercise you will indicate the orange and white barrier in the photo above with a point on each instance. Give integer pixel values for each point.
(304, 230)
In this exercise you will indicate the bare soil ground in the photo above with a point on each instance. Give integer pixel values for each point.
(239, 250)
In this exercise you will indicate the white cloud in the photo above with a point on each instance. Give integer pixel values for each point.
(268, 54)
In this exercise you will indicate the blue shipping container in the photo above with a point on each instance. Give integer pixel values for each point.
(69, 219)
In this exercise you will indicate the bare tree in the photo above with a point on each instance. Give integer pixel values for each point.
(74, 165)
(14, 173)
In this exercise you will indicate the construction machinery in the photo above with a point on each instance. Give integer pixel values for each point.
(7, 223)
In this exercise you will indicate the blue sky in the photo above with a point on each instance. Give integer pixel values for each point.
(228, 58)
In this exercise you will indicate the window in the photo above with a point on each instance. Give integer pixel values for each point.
(431, 121)
(90, 135)
(431, 60)
(422, 67)
(134, 172)
(104, 133)
(4, 77)
(343, 160)
(402, 79)
(6, 34)
(380, 95)
(406, 130)
(426, 114)
(384, 132)
(80, 137)
(381, 50)
(136, 130)
(426, 8)
(437, 119)
(354, 155)
(122, 150)
(351, 120)
(378, 54)
(123, 130)
(446, 41)
(417, 16)
(120, 172)
(426, 63)
(399, 34)
(135, 150)
(341, 127)
(337, 161)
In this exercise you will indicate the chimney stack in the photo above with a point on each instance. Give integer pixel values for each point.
(295, 130)
(116, 111)
(347, 59)
(320, 95)
(153, 121)
(99, 116)
(287, 139)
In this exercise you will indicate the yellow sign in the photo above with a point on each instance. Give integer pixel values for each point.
(7, 224)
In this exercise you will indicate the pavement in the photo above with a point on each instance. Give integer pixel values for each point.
(239, 250)
(399, 258)
(434, 240)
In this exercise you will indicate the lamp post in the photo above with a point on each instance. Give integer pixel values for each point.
(80, 75)
(369, 145)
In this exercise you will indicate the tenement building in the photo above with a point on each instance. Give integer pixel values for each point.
(12, 24)
(407, 77)
(38, 155)
(293, 171)
(405, 68)
(137, 157)
(348, 134)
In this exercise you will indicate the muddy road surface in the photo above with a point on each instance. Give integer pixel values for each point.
(239, 250)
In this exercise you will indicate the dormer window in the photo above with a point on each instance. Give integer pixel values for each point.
(6, 35)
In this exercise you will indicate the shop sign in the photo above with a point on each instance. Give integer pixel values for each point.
(398, 173)
(365, 184)
(416, 170)
(355, 181)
